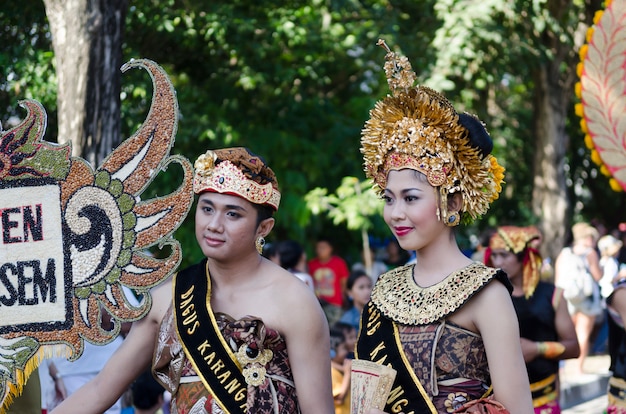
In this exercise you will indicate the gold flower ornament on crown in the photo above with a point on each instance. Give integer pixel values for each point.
(418, 128)
(224, 177)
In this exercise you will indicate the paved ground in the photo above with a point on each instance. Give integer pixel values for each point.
(595, 406)
(585, 393)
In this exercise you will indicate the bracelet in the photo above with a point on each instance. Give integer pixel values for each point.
(550, 350)
(57, 376)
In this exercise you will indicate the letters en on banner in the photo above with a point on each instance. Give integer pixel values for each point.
(32, 286)
(74, 239)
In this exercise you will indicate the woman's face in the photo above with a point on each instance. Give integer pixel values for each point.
(361, 291)
(411, 209)
(226, 225)
(507, 261)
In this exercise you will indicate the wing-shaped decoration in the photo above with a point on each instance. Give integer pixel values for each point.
(72, 237)
(602, 91)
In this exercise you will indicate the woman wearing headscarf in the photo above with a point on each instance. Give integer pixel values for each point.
(546, 329)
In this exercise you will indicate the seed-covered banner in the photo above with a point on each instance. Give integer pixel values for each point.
(72, 237)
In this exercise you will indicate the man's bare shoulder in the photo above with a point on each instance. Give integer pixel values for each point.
(289, 294)
(289, 287)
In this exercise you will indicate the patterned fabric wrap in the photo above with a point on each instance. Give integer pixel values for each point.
(450, 362)
(551, 407)
(275, 395)
(612, 409)
(617, 396)
(487, 405)
(545, 395)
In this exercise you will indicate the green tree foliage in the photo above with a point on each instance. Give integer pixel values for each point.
(354, 204)
(26, 62)
(294, 82)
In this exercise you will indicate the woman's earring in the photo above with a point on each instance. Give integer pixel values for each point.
(453, 219)
(259, 243)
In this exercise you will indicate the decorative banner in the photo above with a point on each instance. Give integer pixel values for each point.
(71, 237)
(602, 90)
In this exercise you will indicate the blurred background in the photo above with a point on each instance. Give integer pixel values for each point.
(294, 81)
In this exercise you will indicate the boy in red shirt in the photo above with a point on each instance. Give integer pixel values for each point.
(330, 273)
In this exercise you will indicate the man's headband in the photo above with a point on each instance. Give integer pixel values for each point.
(215, 173)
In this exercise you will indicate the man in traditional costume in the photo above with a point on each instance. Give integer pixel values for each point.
(240, 334)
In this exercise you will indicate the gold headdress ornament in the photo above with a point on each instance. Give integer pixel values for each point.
(238, 172)
(518, 240)
(418, 128)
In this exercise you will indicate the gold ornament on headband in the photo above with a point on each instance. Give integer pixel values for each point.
(226, 178)
(418, 128)
(514, 239)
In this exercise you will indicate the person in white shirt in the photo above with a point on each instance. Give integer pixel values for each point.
(609, 247)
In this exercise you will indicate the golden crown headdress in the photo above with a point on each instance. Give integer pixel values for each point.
(418, 128)
(236, 171)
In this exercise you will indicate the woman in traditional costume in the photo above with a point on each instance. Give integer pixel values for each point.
(446, 324)
(234, 333)
(546, 329)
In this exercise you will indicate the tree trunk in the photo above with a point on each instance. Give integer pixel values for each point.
(549, 188)
(554, 84)
(87, 42)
